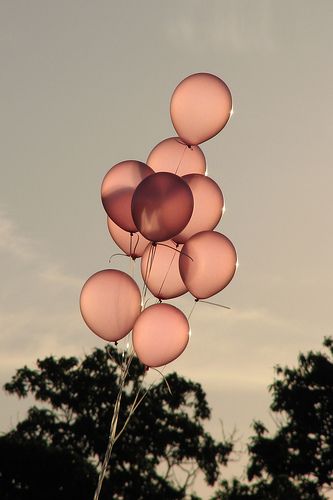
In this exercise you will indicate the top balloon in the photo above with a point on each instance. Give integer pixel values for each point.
(200, 107)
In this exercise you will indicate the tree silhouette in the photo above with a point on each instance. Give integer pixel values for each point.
(57, 451)
(29, 469)
(296, 462)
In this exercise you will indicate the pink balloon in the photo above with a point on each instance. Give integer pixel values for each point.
(162, 205)
(212, 264)
(160, 334)
(173, 155)
(200, 107)
(117, 191)
(110, 302)
(208, 206)
(133, 244)
(160, 270)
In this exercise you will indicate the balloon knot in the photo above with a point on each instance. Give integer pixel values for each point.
(196, 300)
(154, 243)
(146, 368)
(160, 301)
(116, 343)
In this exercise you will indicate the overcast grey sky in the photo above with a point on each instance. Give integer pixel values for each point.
(85, 85)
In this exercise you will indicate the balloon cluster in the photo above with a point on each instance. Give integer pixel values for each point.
(164, 212)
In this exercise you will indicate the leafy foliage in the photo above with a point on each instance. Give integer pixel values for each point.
(296, 463)
(31, 470)
(164, 437)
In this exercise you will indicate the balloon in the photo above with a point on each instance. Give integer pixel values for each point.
(160, 334)
(160, 270)
(162, 205)
(110, 302)
(133, 244)
(200, 107)
(212, 264)
(173, 155)
(117, 190)
(208, 206)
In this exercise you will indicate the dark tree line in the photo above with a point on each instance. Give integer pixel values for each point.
(296, 462)
(57, 450)
(62, 445)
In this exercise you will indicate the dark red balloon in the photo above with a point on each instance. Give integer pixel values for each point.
(117, 190)
(162, 205)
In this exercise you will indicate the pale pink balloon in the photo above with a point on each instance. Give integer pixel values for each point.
(160, 270)
(200, 107)
(117, 191)
(133, 244)
(212, 264)
(110, 303)
(173, 155)
(160, 334)
(208, 206)
(162, 205)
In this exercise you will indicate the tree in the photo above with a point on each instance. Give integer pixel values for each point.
(29, 469)
(296, 462)
(165, 435)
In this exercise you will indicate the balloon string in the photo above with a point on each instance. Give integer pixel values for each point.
(133, 250)
(113, 426)
(117, 254)
(166, 274)
(151, 255)
(181, 159)
(121, 352)
(131, 241)
(132, 262)
(114, 433)
(144, 288)
(137, 242)
(146, 274)
(163, 377)
(213, 304)
(194, 304)
(146, 302)
(175, 249)
(132, 267)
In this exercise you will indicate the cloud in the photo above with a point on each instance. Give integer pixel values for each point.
(23, 248)
(253, 318)
(14, 243)
(241, 27)
(54, 274)
(238, 348)
(39, 310)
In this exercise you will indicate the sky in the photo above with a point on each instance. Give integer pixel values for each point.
(85, 85)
